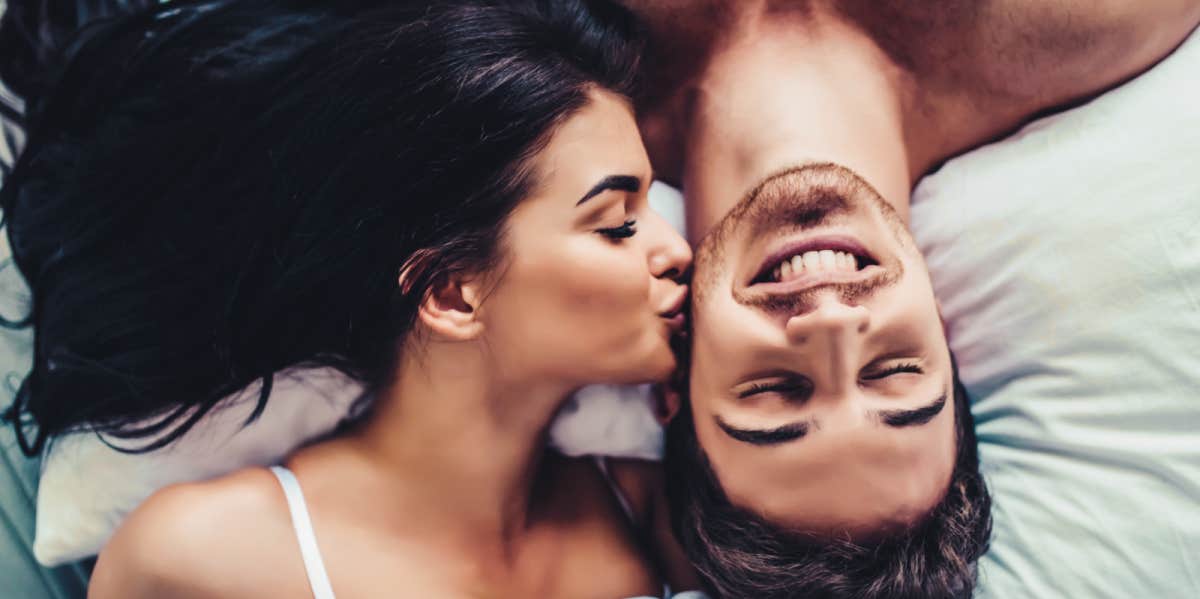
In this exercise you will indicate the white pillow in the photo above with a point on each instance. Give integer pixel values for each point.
(87, 488)
(1067, 262)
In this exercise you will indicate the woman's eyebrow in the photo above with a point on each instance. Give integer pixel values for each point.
(915, 416)
(628, 183)
(769, 436)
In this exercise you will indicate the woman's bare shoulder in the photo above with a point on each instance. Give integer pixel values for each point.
(227, 537)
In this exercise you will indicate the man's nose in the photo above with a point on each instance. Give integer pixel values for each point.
(829, 319)
(833, 332)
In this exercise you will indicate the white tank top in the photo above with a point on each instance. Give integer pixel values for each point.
(318, 579)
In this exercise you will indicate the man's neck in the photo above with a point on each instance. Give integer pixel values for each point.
(779, 92)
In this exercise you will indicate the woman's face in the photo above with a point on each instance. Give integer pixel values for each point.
(589, 289)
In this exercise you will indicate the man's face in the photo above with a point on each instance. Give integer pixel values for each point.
(821, 383)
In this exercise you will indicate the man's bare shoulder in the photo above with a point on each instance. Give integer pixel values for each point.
(1048, 52)
(228, 537)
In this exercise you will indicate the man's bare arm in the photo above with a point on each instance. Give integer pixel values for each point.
(1000, 63)
(1051, 50)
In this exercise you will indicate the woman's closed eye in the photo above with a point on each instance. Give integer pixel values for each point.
(625, 231)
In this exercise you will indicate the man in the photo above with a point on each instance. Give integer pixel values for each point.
(826, 448)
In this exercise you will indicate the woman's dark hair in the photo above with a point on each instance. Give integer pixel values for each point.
(32, 32)
(217, 191)
(741, 555)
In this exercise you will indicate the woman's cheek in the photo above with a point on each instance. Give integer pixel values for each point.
(594, 300)
(618, 286)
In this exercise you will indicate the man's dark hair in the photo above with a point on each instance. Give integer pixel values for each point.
(741, 555)
(214, 191)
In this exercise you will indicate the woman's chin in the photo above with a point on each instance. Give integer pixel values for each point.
(661, 365)
(644, 363)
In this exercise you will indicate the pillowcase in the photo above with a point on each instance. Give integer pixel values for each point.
(1067, 262)
(87, 488)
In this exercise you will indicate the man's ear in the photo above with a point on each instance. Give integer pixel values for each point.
(450, 309)
(666, 403)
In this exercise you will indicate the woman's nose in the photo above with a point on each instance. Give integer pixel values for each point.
(669, 254)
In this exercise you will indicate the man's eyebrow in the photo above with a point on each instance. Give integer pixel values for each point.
(618, 182)
(769, 436)
(913, 417)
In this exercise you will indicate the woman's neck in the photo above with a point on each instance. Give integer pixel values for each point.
(464, 442)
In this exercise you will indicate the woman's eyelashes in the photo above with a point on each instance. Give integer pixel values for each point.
(625, 231)
(892, 370)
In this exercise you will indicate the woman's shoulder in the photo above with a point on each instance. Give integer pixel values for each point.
(644, 485)
(224, 537)
(639, 481)
(636, 482)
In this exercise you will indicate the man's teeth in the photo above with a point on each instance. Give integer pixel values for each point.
(817, 261)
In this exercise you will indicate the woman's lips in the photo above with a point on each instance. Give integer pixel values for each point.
(675, 305)
(674, 314)
(676, 322)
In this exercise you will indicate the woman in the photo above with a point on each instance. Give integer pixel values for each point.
(446, 200)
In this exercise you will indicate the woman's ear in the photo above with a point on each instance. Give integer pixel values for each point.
(450, 304)
(451, 308)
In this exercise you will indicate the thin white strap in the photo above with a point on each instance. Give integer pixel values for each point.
(602, 464)
(318, 580)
